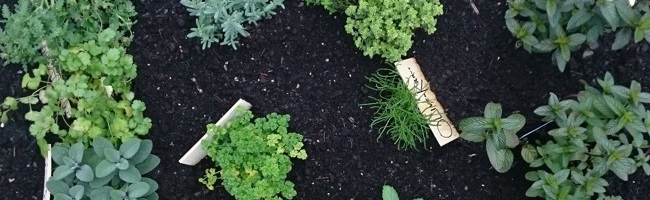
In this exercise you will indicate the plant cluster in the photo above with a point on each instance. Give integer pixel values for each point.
(385, 27)
(74, 56)
(103, 171)
(563, 26)
(254, 157)
(222, 21)
(396, 110)
(499, 134)
(333, 6)
(600, 131)
(61, 24)
(389, 193)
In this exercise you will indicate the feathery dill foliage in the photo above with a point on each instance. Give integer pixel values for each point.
(397, 111)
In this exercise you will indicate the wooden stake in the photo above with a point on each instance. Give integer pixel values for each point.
(196, 153)
(443, 129)
(48, 172)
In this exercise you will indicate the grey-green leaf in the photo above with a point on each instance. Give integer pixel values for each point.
(529, 153)
(57, 186)
(112, 155)
(130, 147)
(623, 37)
(137, 190)
(492, 111)
(579, 18)
(104, 168)
(148, 164)
(85, 173)
(143, 152)
(76, 152)
(513, 122)
(130, 175)
(77, 192)
(99, 144)
(389, 193)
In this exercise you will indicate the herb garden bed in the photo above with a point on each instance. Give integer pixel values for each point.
(303, 63)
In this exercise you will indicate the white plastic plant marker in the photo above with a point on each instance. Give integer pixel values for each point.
(440, 125)
(196, 153)
(48, 172)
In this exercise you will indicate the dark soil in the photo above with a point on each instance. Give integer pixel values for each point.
(301, 62)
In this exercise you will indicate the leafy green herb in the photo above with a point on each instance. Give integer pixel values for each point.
(209, 179)
(561, 27)
(396, 110)
(385, 27)
(80, 173)
(60, 24)
(499, 134)
(389, 193)
(89, 85)
(599, 132)
(254, 157)
(223, 19)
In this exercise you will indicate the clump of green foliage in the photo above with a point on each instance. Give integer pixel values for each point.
(396, 110)
(103, 171)
(389, 193)
(222, 20)
(499, 134)
(333, 6)
(254, 157)
(385, 27)
(600, 131)
(61, 24)
(563, 26)
(90, 86)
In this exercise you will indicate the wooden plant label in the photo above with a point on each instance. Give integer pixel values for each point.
(196, 153)
(440, 125)
(48, 172)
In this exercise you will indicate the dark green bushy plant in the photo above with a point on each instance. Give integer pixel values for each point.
(499, 134)
(385, 27)
(561, 27)
(396, 111)
(254, 157)
(601, 131)
(223, 20)
(60, 24)
(103, 171)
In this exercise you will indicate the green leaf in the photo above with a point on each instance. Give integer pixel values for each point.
(62, 197)
(117, 194)
(511, 139)
(608, 10)
(626, 13)
(112, 155)
(76, 152)
(130, 147)
(148, 164)
(101, 181)
(137, 190)
(579, 18)
(528, 153)
(501, 159)
(99, 144)
(62, 171)
(57, 186)
(623, 167)
(473, 136)
(143, 152)
(130, 175)
(102, 193)
(532, 176)
(577, 39)
(492, 111)
(122, 164)
(153, 186)
(113, 54)
(84, 58)
(104, 168)
(623, 37)
(559, 60)
(58, 152)
(85, 173)
(512, 25)
(472, 124)
(562, 176)
(77, 192)
(514, 122)
(389, 193)
(545, 45)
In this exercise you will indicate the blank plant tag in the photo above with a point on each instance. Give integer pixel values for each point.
(48, 172)
(440, 125)
(196, 153)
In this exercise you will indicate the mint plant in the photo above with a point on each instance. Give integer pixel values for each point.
(499, 134)
(223, 20)
(601, 131)
(389, 193)
(254, 157)
(396, 110)
(60, 24)
(562, 27)
(89, 85)
(385, 27)
(84, 173)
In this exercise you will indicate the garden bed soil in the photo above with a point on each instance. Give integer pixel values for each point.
(301, 62)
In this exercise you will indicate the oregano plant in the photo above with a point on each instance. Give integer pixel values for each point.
(598, 132)
(254, 157)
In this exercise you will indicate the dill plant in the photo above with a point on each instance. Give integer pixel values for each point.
(396, 110)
